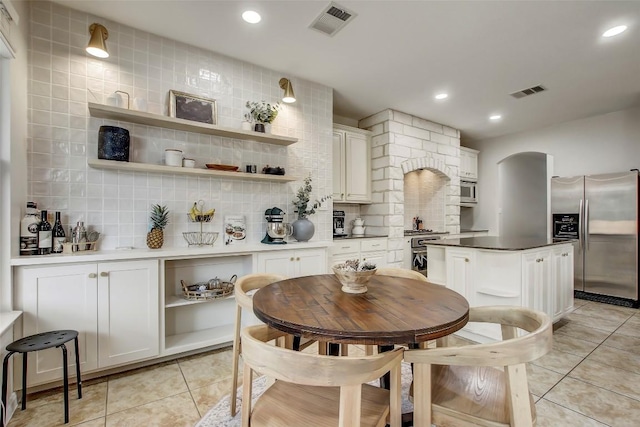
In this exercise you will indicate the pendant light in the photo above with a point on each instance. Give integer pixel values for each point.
(97, 46)
(289, 96)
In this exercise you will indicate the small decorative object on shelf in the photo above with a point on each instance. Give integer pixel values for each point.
(198, 214)
(235, 229)
(192, 107)
(263, 112)
(214, 288)
(303, 228)
(159, 219)
(246, 123)
(354, 275)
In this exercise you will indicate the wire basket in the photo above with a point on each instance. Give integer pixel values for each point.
(200, 218)
(200, 238)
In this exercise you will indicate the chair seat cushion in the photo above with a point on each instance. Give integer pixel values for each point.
(315, 406)
(477, 392)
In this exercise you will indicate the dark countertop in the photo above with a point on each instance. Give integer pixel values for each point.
(470, 230)
(498, 243)
(359, 236)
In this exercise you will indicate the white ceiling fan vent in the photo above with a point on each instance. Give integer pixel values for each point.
(529, 91)
(332, 19)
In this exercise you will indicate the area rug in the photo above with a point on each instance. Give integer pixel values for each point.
(219, 415)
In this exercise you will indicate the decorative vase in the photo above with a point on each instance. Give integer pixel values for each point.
(113, 143)
(353, 282)
(267, 128)
(259, 127)
(246, 125)
(303, 229)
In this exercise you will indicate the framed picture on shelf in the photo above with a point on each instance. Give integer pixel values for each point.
(192, 107)
(235, 229)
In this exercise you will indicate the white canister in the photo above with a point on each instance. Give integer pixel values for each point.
(173, 157)
(188, 163)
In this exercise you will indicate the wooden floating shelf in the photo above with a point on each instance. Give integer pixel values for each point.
(102, 111)
(146, 167)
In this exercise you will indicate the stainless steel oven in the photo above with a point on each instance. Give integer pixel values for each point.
(419, 253)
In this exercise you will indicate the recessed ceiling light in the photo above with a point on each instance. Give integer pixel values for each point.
(495, 117)
(251, 16)
(614, 31)
(442, 96)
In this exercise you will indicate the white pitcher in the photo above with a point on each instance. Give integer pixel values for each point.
(358, 226)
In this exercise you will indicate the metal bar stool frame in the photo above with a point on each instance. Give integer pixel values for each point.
(39, 342)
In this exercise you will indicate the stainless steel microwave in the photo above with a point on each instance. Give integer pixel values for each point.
(468, 192)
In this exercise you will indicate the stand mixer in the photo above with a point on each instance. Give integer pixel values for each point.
(277, 229)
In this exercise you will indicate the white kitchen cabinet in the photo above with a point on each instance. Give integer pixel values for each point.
(190, 325)
(351, 165)
(536, 280)
(372, 250)
(113, 305)
(561, 294)
(293, 263)
(468, 164)
(460, 266)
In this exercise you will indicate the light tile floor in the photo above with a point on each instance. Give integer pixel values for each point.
(590, 378)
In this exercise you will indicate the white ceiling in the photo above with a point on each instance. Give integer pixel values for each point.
(399, 54)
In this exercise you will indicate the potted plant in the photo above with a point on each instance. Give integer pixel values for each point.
(263, 113)
(303, 228)
(159, 219)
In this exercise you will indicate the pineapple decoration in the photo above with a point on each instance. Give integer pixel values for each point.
(159, 218)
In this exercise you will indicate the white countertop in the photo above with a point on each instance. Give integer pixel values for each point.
(174, 252)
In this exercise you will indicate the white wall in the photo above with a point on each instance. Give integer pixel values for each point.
(600, 144)
(63, 78)
(523, 195)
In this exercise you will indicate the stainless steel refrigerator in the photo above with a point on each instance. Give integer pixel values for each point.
(601, 212)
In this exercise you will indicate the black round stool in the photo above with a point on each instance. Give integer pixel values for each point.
(41, 342)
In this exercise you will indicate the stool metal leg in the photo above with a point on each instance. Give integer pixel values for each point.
(24, 380)
(5, 373)
(65, 370)
(78, 368)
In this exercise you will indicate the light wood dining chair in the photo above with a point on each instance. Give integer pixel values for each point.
(481, 384)
(244, 300)
(317, 390)
(401, 272)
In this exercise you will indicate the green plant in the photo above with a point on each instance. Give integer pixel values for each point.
(159, 217)
(263, 112)
(302, 200)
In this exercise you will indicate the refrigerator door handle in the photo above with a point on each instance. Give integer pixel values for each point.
(586, 224)
(581, 225)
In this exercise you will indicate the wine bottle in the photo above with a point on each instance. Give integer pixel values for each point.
(58, 235)
(44, 235)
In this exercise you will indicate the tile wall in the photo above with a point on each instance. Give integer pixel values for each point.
(424, 197)
(62, 136)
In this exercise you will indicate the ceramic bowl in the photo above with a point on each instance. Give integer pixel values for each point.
(353, 282)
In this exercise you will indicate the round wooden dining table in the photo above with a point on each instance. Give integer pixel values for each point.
(394, 310)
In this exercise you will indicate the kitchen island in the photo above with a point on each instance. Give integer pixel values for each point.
(491, 270)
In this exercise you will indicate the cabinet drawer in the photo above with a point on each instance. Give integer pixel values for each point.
(369, 245)
(345, 247)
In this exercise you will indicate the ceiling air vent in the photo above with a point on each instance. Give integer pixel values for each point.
(526, 92)
(332, 19)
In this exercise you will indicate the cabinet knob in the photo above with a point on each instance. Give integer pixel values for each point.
(291, 259)
(466, 260)
(104, 274)
(298, 259)
(92, 275)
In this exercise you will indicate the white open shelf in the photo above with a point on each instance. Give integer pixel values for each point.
(149, 168)
(195, 340)
(178, 301)
(102, 111)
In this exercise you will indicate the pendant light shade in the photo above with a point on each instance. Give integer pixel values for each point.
(289, 96)
(97, 46)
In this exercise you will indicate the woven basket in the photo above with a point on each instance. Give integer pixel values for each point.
(219, 290)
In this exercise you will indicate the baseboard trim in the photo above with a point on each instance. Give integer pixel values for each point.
(606, 299)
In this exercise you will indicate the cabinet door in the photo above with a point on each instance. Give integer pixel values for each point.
(561, 292)
(338, 167)
(358, 168)
(536, 281)
(460, 271)
(380, 259)
(59, 297)
(128, 307)
(468, 164)
(310, 261)
(280, 262)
